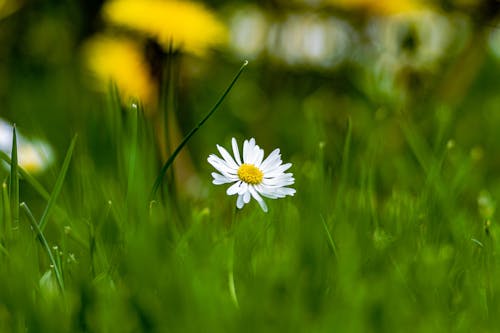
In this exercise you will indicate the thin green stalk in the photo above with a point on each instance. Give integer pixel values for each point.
(8, 215)
(133, 150)
(4, 250)
(37, 186)
(68, 231)
(42, 240)
(14, 180)
(92, 248)
(346, 153)
(230, 275)
(177, 150)
(58, 185)
(58, 258)
(418, 146)
(344, 168)
(230, 263)
(170, 78)
(331, 242)
(170, 122)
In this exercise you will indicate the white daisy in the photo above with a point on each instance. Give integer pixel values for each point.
(34, 156)
(252, 175)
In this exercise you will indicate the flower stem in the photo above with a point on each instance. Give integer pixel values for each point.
(230, 264)
(177, 150)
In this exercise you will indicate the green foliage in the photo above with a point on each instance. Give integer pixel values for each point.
(339, 255)
(393, 227)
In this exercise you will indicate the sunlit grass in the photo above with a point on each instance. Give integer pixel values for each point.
(392, 227)
(339, 255)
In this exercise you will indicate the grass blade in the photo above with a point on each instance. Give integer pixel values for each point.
(42, 240)
(4, 250)
(14, 180)
(345, 166)
(177, 150)
(418, 146)
(331, 242)
(29, 178)
(58, 186)
(37, 186)
(7, 212)
(346, 153)
(132, 148)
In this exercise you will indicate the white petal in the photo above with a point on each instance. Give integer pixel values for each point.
(245, 151)
(283, 180)
(257, 197)
(276, 192)
(259, 155)
(269, 161)
(243, 188)
(224, 176)
(227, 157)
(236, 151)
(220, 179)
(256, 152)
(246, 197)
(233, 189)
(277, 171)
(267, 192)
(213, 159)
(281, 167)
(275, 186)
(248, 150)
(223, 171)
(280, 177)
(233, 178)
(286, 191)
(239, 202)
(220, 164)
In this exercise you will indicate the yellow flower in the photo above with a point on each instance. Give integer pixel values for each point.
(382, 7)
(120, 61)
(8, 7)
(186, 25)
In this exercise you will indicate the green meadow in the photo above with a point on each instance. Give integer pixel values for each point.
(396, 166)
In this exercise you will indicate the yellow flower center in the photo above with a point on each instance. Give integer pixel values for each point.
(250, 174)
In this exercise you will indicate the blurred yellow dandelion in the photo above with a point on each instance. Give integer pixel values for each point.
(382, 7)
(120, 61)
(8, 7)
(182, 24)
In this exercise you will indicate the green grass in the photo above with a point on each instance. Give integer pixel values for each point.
(393, 227)
(347, 253)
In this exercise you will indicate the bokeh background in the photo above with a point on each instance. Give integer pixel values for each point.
(388, 110)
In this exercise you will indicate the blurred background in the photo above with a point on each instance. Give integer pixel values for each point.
(390, 68)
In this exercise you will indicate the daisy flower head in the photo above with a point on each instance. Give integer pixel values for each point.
(251, 175)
